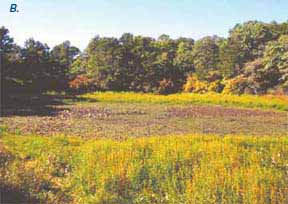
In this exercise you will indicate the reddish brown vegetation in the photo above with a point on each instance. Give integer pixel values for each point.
(218, 111)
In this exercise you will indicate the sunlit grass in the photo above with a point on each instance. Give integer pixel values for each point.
(247, 101)
(168, 169)
(191, 168)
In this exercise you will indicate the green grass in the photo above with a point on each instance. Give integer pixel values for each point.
(171, 169)
(247, 101)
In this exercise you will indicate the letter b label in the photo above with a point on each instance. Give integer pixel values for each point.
(13, 8)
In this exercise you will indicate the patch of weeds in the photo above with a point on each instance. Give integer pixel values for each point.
(3, 130)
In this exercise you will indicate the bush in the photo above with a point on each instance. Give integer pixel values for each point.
(278, 91)
(166, 86)
(82, 83)
(236, 85)
(216, 86)
(194, 85)
(213, 84)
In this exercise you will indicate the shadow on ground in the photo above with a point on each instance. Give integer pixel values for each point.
(12, 196)
(35, 104)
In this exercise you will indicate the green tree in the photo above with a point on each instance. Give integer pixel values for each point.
(10, 60)
(246, 42)
(62, 57)
(103, 64)
(206, 56)
(276, 61)
(37, 69)
(270, 71)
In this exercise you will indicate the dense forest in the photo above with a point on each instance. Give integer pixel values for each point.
(253, 59)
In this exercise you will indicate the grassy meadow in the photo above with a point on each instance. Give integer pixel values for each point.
(170, 169)
(246, 101)
(118, 148)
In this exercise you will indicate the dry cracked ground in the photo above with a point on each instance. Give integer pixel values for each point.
(121, 120)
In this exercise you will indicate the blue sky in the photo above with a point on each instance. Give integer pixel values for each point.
(79, 20)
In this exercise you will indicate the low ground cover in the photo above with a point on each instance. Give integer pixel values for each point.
(170, 169)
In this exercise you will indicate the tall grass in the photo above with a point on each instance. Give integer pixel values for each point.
(247, 101)
(172, 169)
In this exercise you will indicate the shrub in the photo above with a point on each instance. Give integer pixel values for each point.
(194, 85)
(236, 85)
(278, 91)
(166, 86)
(82, 83)
(216, 86)
(213, 84)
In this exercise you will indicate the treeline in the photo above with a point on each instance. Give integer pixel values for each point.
(34, 67)
(253, 59)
